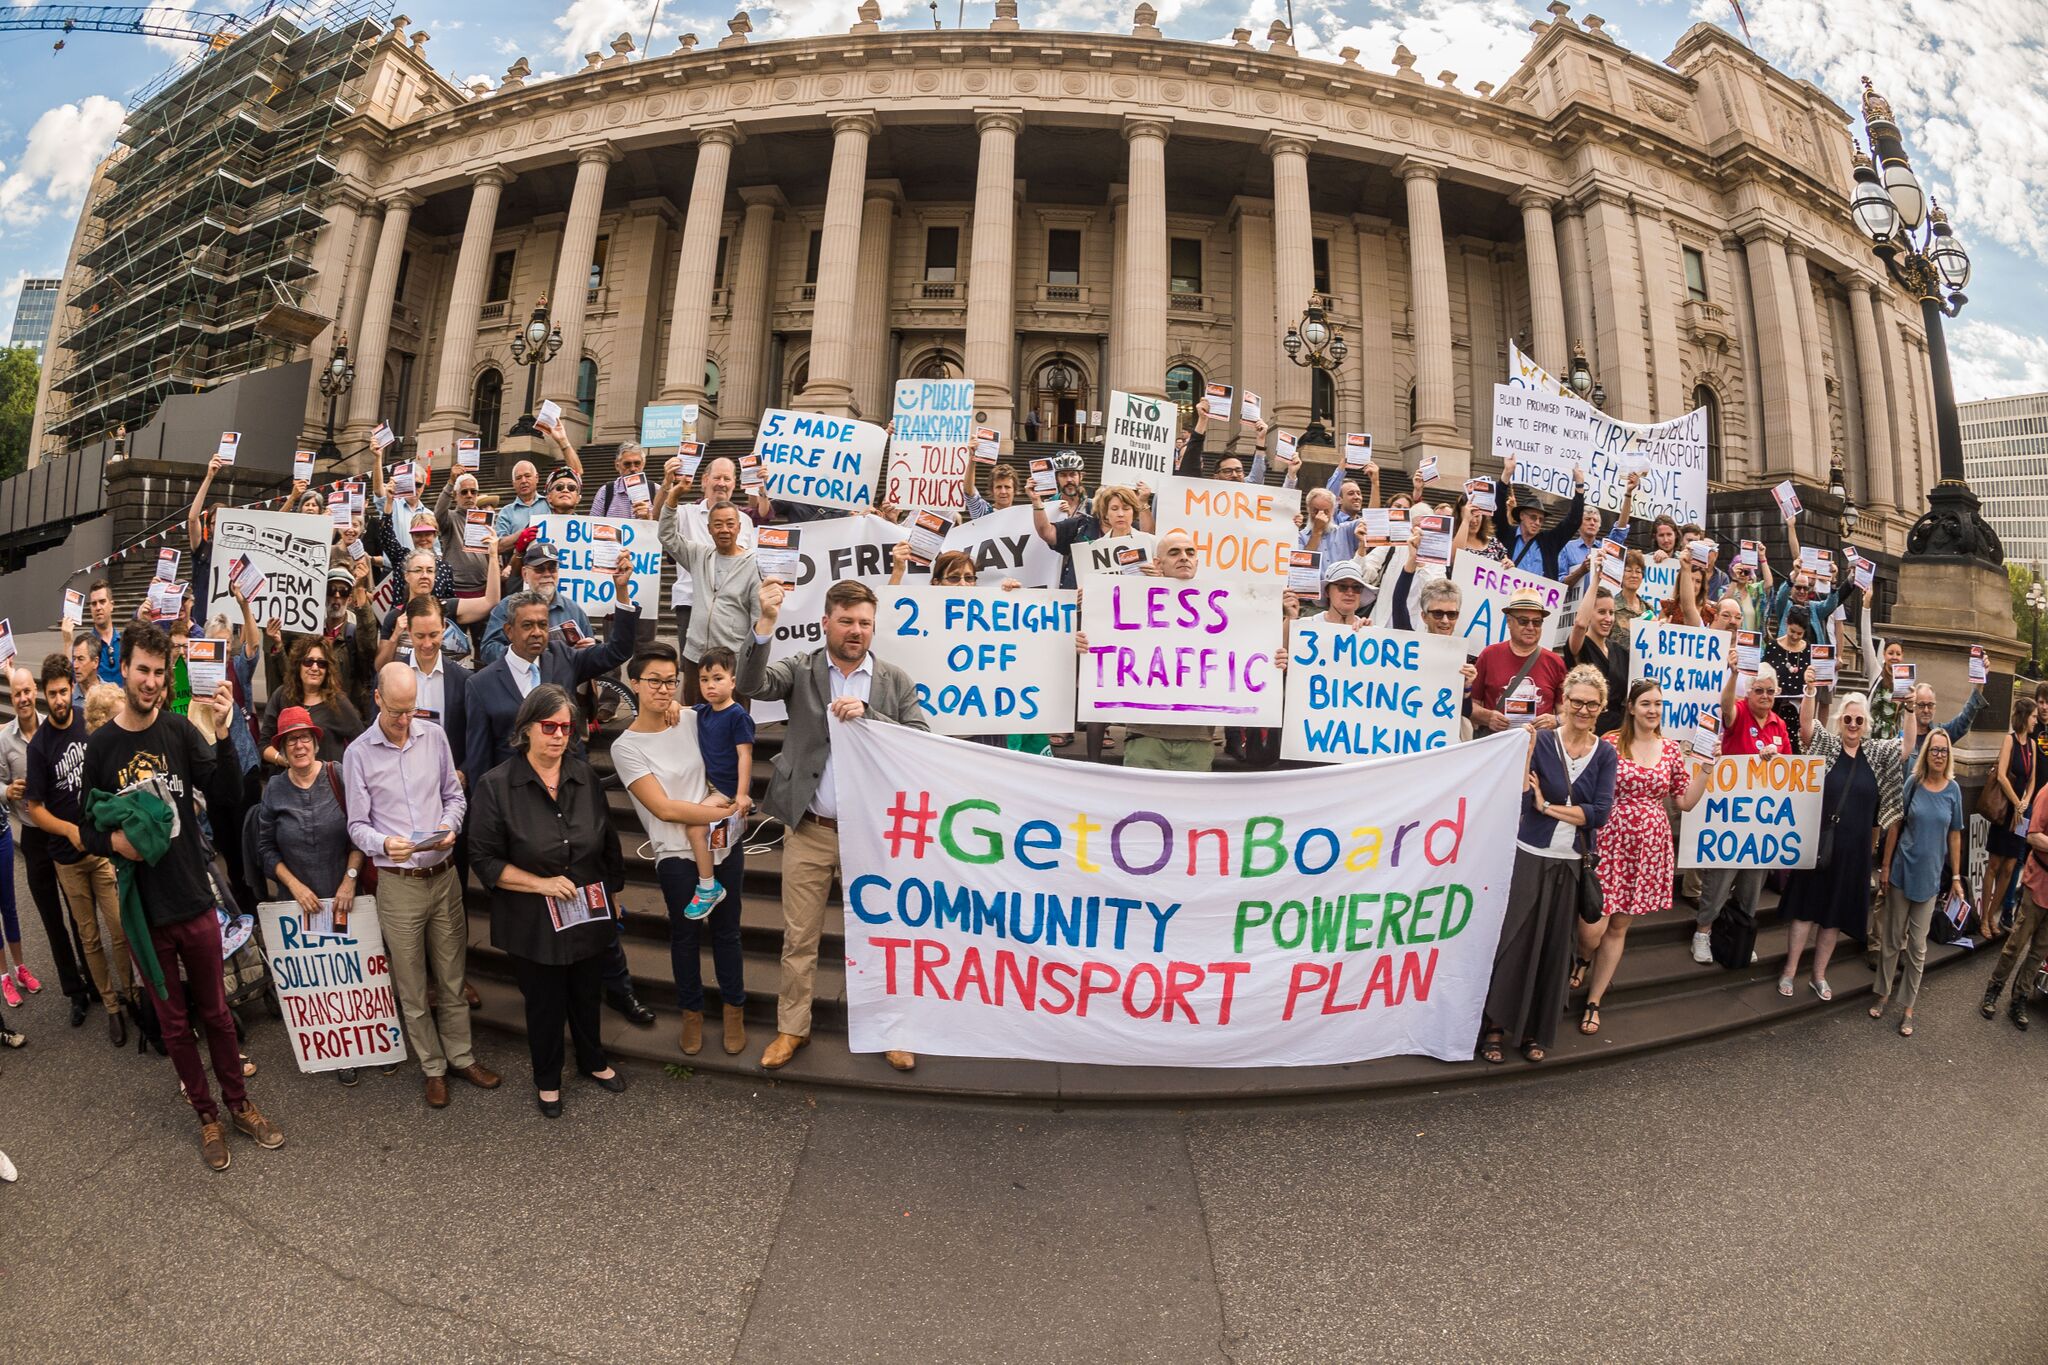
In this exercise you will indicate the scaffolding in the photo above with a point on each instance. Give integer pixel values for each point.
(206, 215)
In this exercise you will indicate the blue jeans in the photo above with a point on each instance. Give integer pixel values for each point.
(9, 923)
(685, 936)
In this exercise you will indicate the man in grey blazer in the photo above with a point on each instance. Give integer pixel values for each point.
(841, 679)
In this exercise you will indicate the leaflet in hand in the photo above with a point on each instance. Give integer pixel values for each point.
(548, 415)
(427, 840)
(1866, 574)
(1522, 706)
(775, 551)
(1749, 650)
(988, 445)
(302, 466)
(165, 599)
(338, 509)
(928, 535)
(7, 650)
(590, 903)
(1980, 667)
(1426, 471)
(1382, 526)
(1436, 539)
(1617, 536)
(750, 472)
(1702, 551)
(691, 455)
(1812, 558)
(1305, 573)
(1706, 734)
(1216, 400)
(1788, 500)
(1042, 479)
(476, 529)
(358, 550)
(604, 547)
(636, 490)
(1902, 681)
(382, 436)
(74, 606)
(1820, 667)
(1479, 493)
(247, 578)
(357, 496)
(1250, 408)
(167, 565)
(1284, 448)
(230, 442)
(1612, 566)
(401, 480)
(469, 453)
(1357, 449)
(1750, 556)
(206, 664)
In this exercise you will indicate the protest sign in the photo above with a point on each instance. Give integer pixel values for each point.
(1138, 446)
(661, 425)
(1660, 580)
(1757, 812)
(1114, 554)
(1003, 545)
(931, 438)
(1166, 921)
(1485, 586)
(1171, 651)
(822, 461)
(334, 986)
(1354, 694)
(1689, 663)
(827, 552)
(586, 574)
(288, 549)
(1670, 455)
(986, 663)
(1243, 532)
(1545, 434)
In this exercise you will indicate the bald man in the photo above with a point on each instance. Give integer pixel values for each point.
(1176, 748)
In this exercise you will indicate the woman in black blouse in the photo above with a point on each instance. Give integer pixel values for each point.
(540, 836)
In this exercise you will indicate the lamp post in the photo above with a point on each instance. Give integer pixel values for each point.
(533, 346)
(1315, 343)
(337, 379)
(2037, 598)
(1840, 490)
(1582, 381)
(1911, 235)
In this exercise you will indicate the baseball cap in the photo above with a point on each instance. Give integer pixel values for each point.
(541, 555)
(1344, 571)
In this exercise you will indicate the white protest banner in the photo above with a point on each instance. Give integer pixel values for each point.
(827, 552)
(996, 909)
(931, 438)
(1243, 532)
(1672, 455)
(586, 577)
(1354, 694)
(1547, 435)
(986, 662)
(334, 987)
(1689, 663)
(1485, 585)
(1757, 812)
(1138, 445)
(823, 461)
(1114, 554)
(1177, 652)
(1003, 545)
(1660, 580)
(290, 551)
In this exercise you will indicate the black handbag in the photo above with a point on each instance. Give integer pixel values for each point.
(1592, 900)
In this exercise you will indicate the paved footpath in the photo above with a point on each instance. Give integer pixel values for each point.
(1822, 1191)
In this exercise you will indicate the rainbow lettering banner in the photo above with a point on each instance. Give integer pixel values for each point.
(995, 907)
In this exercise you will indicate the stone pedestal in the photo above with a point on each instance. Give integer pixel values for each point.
(1946, 604)
(532, 446)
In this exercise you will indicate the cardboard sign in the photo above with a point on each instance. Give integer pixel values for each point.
(584, 544)
(1138, 445)
(1355, 694)
(1484, 586)
(1757, 812)
(1243, 532)
(1180, 652)
(1006, 544)
(931, 438)
(1689, 664)
(817, 460)
(661, 425)
(985, 663)
(340, 1009)
(288, 550)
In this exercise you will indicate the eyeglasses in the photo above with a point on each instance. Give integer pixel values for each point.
(1577, 705)
(553, 727)
(1441, 615)
(1852, 720)
(1524, 619)
(658, 684)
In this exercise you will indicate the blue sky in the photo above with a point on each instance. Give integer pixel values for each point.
(1968, 80)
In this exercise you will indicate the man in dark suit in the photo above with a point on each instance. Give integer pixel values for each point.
(531, 658)
(443, 683)
(840, 679)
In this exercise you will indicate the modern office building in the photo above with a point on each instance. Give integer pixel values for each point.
(800, 222)
(2005, 459)
(33, 312)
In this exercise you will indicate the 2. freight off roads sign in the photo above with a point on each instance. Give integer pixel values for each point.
(997, 908)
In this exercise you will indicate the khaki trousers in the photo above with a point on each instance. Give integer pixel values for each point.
(1902, 930)
(2024, 948)
(810, 860)
(426, 935)
(94, 896)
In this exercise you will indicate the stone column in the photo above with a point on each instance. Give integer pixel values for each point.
(992, 271)
(1787, 418)
(1141, 362)
(873, 383)
(1577, 278)
(1660, 293)
(829, 388)
(1375, 344)
(1546, 288)
(739, 388)
(689, 328)
(361, 257)
(1810, 352)
(383, 289)
(1436, 424)
(1621, 362)
(1294, 274)
(449, 416)
(1254, 339)
(1112, 368)
(1485, 366)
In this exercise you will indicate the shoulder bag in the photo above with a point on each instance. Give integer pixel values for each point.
(366, 880)
(1592, 900)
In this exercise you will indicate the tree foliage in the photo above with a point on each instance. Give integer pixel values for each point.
(19, 375)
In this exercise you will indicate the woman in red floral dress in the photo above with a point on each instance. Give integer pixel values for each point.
(1636, 844)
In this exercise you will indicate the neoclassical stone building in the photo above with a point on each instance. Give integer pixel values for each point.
(747, 224)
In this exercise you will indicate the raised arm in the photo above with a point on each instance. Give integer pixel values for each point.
(195, 525)
(565, 449)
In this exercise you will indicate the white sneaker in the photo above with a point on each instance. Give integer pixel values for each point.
(1752, 957)
(7, 1171)
(1702, 949)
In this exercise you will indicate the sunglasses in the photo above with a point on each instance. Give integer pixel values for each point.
(1441, 615)
(1852, 720)
(312, 663)
(553, 727)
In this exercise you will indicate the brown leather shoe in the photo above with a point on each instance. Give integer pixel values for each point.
(735, 1030)
(213, 1144)
(437, 1092)
(691, 1039)
(249, 1122)
(470, 997)
(902, 1061)
(782, 1049)
(480, 1076)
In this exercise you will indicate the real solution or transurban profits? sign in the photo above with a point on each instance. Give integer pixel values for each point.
(931, 439)
(1137, 447)
(334, 987)
(822, 461)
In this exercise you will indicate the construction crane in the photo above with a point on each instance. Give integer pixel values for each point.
(214, 29)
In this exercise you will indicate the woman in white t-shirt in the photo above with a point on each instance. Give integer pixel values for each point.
(662, 769)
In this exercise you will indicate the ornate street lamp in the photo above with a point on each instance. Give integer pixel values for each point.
(335, 380)
(1839, 488)
(1315, 343)
(1582, 381)
(1912, 236)
(533, 346)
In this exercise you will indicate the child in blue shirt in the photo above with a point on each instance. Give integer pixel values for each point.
(725, 738)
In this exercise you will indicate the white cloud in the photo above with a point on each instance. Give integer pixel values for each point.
(590, 26)
(57, 163)
(1480, 40)
(1987, 360)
